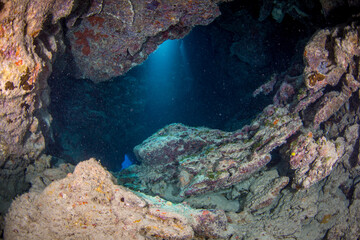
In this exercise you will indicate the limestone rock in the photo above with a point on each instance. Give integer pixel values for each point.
(87, 204)
(265, 190)
(30, 36)
(200, 160)
(312, 160)
(133, 30)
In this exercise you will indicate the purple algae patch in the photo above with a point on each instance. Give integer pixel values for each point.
(152, 5)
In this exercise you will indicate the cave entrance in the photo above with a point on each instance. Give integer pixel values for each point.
(206, 79)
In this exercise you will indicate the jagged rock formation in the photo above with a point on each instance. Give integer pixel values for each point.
(179, 162)
(199, 160)
(313, 161)
(115, 36)
(320, 212)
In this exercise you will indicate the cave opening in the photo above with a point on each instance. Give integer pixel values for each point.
(205, 79)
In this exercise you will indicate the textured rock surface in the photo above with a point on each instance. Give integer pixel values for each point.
(312, 160)
(41, 174)
(87, 204)
(199, 160)
(30, 37)
(317, 118)
(305, 214)
(348, 227)
(330, 58)
(133, 30)
(265, 190)
(179, 161)
(327, 107)
(26, 54)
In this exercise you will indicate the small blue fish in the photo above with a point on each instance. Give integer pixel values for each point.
(126, 163)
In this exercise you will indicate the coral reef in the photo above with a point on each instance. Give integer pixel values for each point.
(87, 204)
(179, 162)
(329, 56)
(133, 29)
(31, 36)
(306, 214)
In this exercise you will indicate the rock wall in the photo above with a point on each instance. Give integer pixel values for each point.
(199, 160)
(29, 34)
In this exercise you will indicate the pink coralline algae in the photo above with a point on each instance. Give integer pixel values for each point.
(333, 101)
(114, 36)
(267, 87)
(331, 78)
(284, 94)
(201, 160)
(313, 160)
(330, 60)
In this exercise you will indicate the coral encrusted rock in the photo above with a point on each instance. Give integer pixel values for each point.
(114, 36)
(30, 35)
(330, 58)
(312, 160)
(88, 205)
(200, 160)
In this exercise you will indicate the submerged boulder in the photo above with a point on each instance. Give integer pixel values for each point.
(201, 160)
(88, 205)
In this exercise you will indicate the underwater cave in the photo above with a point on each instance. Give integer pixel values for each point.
(180, 119)
(205, 79)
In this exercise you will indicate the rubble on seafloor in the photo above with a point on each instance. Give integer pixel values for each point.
(88, 204)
